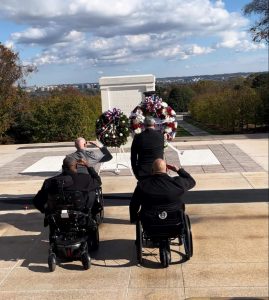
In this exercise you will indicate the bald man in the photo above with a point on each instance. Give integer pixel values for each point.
(93, 156)
(160, 189)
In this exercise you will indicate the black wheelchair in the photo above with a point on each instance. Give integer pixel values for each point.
(98, 206)
(73, 227)
(160, 226)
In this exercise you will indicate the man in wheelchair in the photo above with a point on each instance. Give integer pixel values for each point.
(70, 180)
(157, 203)
(68, 201)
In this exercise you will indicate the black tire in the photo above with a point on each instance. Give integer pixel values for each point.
(165, 255)
(93, 240)
(169, 253)
(101, 203)
(187, 237)
(139, 242)
(52, 262)
(86, 261)
(100, 217)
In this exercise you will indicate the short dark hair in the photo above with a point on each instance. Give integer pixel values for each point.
(69, 161)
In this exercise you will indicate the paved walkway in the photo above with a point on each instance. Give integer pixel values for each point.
(230, 239)
(193, 130)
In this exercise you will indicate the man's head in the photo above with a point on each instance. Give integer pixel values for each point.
(158, 166)
(70, 164)
(149, 122)
(80, 143)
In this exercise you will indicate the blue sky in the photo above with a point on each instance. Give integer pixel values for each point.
(82, 40)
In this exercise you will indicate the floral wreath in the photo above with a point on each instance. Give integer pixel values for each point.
(164, 115)
(112, 128)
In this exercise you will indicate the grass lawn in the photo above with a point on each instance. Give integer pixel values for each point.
(182, 132)
(251, 129)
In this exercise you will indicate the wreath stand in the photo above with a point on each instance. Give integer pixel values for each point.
(172, 147)
(118, 151)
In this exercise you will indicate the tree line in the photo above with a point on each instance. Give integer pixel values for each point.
(233, 106)
(57, 116)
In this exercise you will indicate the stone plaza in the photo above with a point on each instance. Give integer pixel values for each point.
(228, 210)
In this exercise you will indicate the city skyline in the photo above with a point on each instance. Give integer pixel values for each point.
(81, 41)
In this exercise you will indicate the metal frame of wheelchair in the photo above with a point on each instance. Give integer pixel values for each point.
(161, 236)
(76, 243)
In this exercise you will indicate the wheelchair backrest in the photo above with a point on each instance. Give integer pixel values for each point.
(161, 216)
(69, 200)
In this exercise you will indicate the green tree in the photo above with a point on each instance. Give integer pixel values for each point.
(63, 116)
(260, 82)
(162, 92)
(231, 110)
(180, 97)
(11, 72)
(260, 29)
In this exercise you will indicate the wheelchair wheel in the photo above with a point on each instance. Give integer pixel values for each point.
(93, 240)
(100, 206)
(86, 260)
(52, 262)
(139, 242)
(165, 254)
(100, 217)
(102, 213)
(187, 237)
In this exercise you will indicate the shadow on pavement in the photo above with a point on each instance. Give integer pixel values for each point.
(16, 202)
(116, 221)
(115, 253)
(202, 197)
(20, 202)
(21, 234)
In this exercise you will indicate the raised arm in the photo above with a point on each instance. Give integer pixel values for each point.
(184, 179)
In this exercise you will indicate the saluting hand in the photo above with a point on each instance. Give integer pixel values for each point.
(83, 162)
(173, 168)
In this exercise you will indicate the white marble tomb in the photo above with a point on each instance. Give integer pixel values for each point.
(125, 92)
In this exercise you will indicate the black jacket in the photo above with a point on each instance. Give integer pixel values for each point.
(146, 147)
(160, 190)
(70, 181)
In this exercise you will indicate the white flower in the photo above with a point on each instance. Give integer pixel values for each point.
(175, 124)
(113, 136)
(169, 120)
(140, 118)
(173, 112)
(126, 129)
(106, 135)
(168, 129)
(164, 104)
(121, 134)
(137, 130)
(139, 112)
